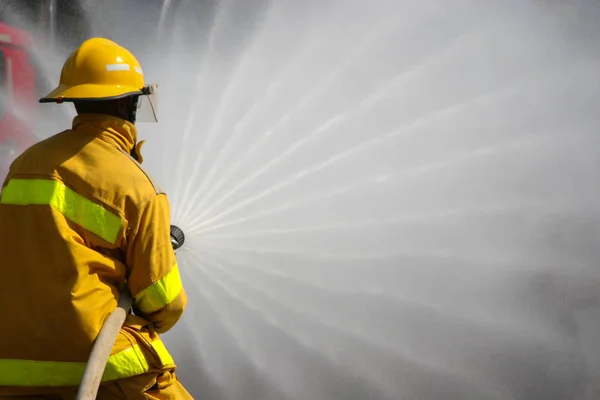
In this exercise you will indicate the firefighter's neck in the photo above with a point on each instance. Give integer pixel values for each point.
(114, 130)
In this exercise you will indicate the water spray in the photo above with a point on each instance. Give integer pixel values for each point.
(370, 231)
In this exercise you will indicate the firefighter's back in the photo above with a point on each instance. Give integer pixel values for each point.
(63, 229)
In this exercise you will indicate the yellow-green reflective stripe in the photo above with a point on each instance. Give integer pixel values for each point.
(163, 353)
(40, 373)
(76, 208)
(160, 293)
(124, 364)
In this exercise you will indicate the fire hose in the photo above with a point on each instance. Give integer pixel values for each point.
(92, 376)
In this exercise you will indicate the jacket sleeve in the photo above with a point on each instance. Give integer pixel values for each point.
(154, 279)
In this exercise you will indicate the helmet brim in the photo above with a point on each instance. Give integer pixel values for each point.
(89, 91)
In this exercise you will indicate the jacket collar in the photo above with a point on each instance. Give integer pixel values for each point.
(115, 131)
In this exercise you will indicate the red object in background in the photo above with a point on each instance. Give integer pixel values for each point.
(17, 95)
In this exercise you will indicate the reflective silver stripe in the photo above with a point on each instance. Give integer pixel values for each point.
(118, 67)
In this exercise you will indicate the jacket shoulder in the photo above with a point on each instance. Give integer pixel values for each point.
(157, 188)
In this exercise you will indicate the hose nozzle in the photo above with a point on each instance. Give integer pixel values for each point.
(177, 237)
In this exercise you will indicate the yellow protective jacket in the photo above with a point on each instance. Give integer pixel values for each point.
(79, 217)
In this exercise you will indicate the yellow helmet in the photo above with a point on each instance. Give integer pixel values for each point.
(100, 69)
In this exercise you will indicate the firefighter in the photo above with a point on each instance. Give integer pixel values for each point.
(80, 220)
